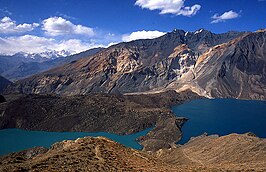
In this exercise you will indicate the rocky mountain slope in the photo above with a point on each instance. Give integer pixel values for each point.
(206, 153)
(235, 69)
(136, 66)
(3, 83)
(99, 112)
(234, 152)
(22, 65)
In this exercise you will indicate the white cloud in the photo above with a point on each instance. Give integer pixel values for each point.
(9, 26)
(225, 16)
(55, 26)
(142, 35)
(76, 45)
(176, 7)
(35, 44)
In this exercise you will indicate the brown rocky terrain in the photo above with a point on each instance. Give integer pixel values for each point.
(235, 69)
(112, 113)
(86, 154)
(206, 153)
(234, 152)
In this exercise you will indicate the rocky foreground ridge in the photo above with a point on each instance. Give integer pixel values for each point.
(233, 152)
(231, 64)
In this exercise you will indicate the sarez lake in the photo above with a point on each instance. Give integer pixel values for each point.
(214, 116)
(222, 117)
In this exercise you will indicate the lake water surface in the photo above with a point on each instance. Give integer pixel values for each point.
(13, 140)
(214, 116)
(222, 117)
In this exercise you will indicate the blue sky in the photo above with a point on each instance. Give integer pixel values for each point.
(77, 25)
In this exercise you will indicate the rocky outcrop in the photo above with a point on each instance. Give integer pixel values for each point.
(233, 152)
(3, 83)
(136, 66)
(97, 112)
(164, 135)
(2, 99)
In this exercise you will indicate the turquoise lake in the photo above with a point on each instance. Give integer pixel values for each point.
(222, 117)
(214, 116)
(13, 140)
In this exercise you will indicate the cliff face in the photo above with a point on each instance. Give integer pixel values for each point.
(236, 69)
(3, 83)
(137, 66)
(206, 153)
(243, 75)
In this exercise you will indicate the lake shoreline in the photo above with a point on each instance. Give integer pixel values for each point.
(30, 139)
(111, 113)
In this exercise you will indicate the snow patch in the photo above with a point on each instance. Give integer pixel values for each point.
(198, 31)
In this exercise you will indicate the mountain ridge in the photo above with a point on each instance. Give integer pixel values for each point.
(134, 66)
(178, 60)
(240, 72)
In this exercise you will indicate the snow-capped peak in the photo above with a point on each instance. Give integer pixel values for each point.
(54, 54)
(198, 31)
(45, 55)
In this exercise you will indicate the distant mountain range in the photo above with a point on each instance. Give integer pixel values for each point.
(43, 56)
(231, 64)
(22, 65)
